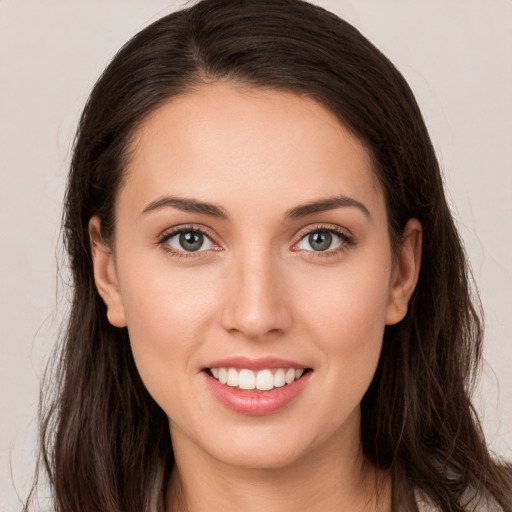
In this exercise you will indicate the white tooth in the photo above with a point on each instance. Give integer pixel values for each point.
(279, 378)
(215, 372)
(298, 373)
(246, 379)
(264, 380)
(290, 375)
(223, 375)
(232, 378)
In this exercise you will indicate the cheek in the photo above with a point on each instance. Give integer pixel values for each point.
(166, 311)
(165, 301)
(345, 314)
(344, 303)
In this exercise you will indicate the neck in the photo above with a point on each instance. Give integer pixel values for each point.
(332, 477)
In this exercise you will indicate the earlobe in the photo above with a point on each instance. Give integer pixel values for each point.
(105, 275)
(406, 271)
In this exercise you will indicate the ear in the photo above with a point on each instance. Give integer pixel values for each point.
(405, 272)
(105, 275)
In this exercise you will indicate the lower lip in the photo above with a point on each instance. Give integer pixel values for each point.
(256, 403)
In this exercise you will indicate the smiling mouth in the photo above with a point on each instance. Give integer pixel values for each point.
(262, 380)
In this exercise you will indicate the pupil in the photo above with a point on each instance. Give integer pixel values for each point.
(191, 240)
(320, 241)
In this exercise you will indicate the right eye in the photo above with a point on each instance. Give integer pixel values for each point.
(188, 241)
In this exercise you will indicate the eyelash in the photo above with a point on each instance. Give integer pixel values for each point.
(346, 241)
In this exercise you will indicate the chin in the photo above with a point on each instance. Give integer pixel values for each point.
(263, 447)
(256, 458)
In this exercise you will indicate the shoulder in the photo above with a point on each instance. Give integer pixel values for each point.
(471, 501)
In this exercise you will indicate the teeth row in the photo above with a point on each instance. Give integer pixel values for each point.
(264, 380)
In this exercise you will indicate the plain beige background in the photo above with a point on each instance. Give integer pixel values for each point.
(455, 55)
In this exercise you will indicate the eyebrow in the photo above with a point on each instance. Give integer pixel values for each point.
(212, 210)
(186, 205)
(324, 205)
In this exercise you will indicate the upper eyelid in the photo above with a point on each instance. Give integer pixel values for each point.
(301, 233)
(170, 232)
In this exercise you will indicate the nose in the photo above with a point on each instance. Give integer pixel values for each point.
(255, 298)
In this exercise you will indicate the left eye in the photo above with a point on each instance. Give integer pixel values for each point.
(320, 240)
(189, 241)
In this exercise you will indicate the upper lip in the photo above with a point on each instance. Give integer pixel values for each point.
(255, 363)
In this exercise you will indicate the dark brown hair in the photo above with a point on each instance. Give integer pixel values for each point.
(106, 444)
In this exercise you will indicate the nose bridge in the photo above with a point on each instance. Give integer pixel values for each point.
(255, 302)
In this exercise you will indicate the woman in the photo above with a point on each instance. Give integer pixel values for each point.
(271, 306)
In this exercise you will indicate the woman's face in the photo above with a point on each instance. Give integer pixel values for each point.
(252, 239)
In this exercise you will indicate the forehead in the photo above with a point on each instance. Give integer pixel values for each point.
(229, 144)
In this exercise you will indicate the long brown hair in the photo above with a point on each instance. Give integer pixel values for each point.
(105, 442)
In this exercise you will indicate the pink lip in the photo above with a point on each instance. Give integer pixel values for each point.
(254, 364)
(256, 403)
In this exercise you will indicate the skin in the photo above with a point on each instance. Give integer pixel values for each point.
(257, 290)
